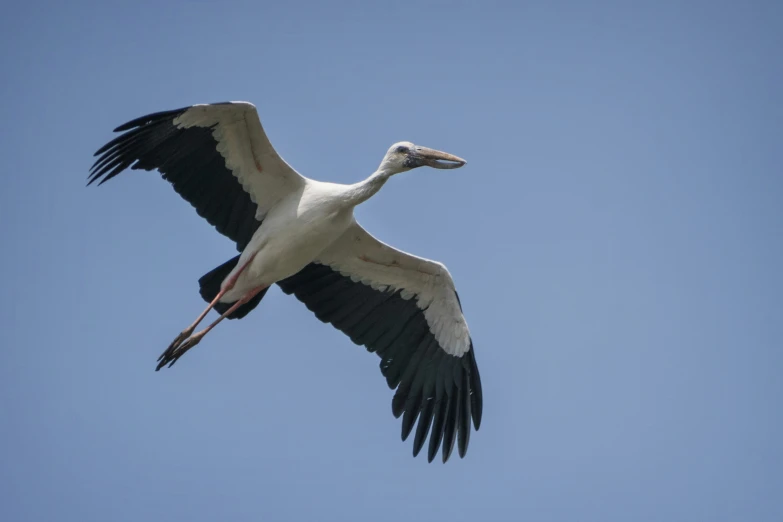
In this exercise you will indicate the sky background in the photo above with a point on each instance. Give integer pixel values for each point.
(615, 239)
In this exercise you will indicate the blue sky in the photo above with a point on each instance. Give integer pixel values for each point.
(615, 239)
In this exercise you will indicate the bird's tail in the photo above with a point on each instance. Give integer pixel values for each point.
(209, 286)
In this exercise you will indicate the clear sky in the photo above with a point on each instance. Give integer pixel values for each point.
(615, 239)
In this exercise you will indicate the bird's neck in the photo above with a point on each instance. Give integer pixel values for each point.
(364, 190)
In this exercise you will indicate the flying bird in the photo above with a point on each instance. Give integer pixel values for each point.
(301, 234)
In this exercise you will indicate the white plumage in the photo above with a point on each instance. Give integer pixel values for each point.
(301, 234)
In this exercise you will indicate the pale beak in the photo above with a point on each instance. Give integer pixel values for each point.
(435, 158)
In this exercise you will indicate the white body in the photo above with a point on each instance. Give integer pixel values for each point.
(294, 232)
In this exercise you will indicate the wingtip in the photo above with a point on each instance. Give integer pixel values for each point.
(446, 456)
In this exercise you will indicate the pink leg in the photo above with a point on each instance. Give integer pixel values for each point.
(170, 356)
(187, 332)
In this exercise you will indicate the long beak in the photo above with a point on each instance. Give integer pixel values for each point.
(437, 159)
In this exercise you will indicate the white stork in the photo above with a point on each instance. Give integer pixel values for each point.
(302, 234)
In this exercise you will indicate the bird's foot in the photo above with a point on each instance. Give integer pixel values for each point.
(179, 346)
(184, 334)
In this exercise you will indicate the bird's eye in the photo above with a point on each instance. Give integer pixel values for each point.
(402, 149)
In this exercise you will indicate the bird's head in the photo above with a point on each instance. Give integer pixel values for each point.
(404, 156)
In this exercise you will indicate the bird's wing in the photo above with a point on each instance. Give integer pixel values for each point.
(217, 157)
(405, 309)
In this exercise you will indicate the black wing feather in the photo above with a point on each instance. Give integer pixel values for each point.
(440, 391)
(189, 160)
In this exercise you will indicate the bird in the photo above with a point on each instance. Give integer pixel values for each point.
(302, 235)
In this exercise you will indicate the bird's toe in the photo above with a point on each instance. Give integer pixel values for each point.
(172, 355)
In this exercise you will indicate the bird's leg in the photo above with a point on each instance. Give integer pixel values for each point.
(187, 332)
(170, 356)
(184, 334)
